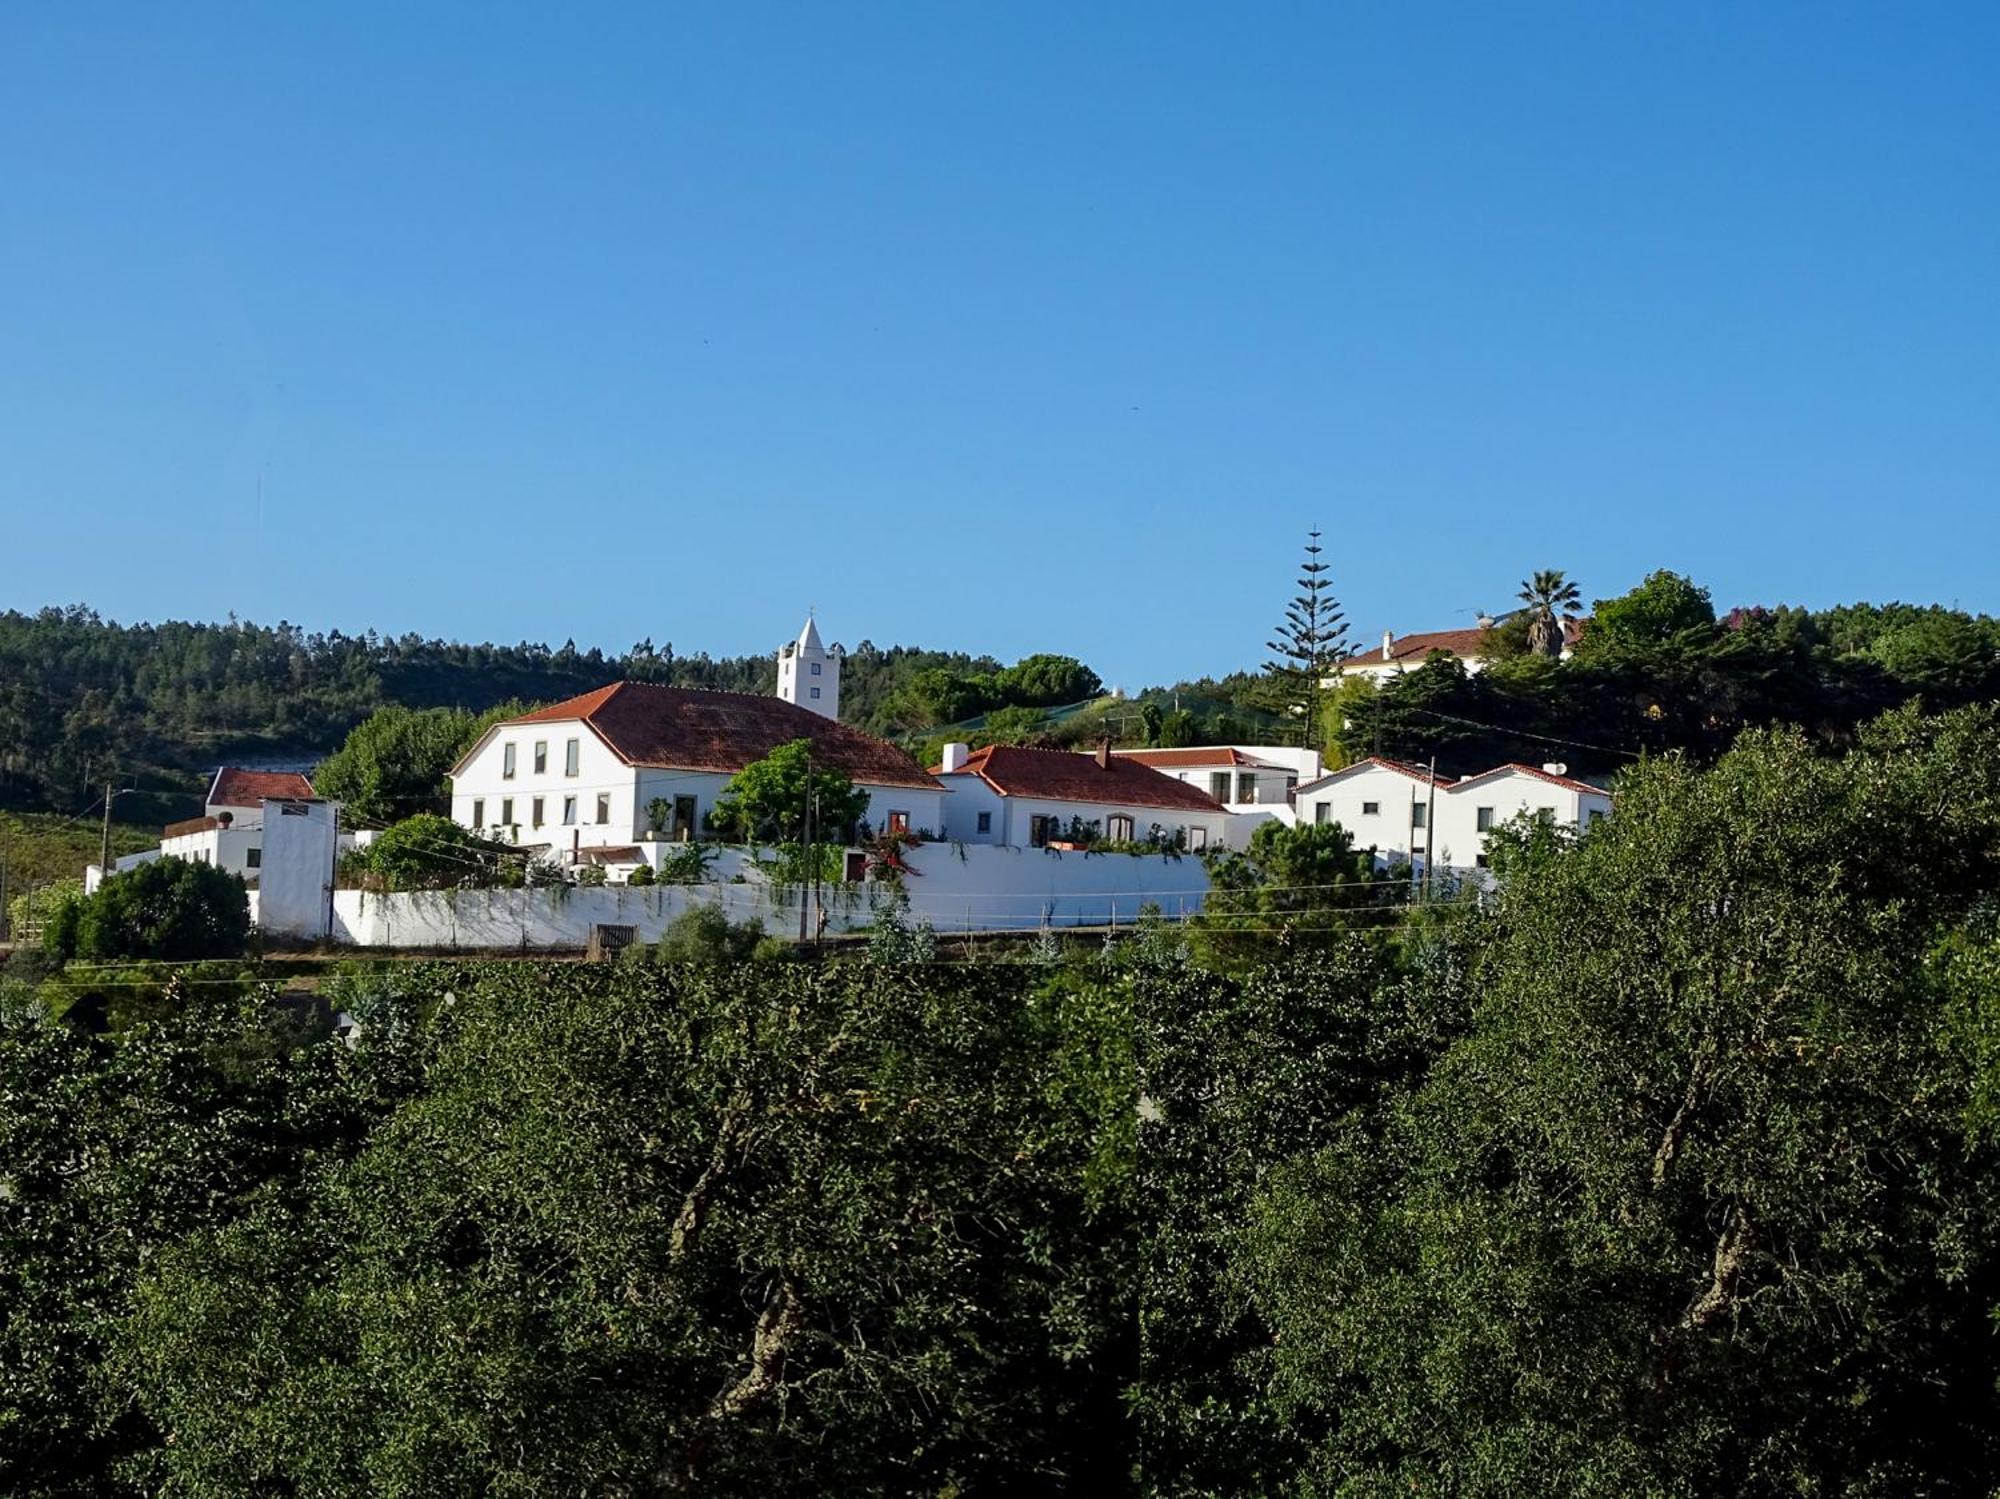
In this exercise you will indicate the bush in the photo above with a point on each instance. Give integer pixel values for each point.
(170, 909)
(643, 875)
(429, 852)
(705, 934)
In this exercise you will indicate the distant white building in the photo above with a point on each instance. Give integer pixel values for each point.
(809, 673)
(1400, 653)
(1243, 777)
(637, 761)
(1390, 806)
(230, 832)
(1033, 798)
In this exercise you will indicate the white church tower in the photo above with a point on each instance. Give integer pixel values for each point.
(809, 673)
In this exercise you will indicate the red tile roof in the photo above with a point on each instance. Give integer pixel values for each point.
(192, 825)
(1212, 755)
(249, 788)
(679, 728)
(1467, 644)
(1568, 783)
(1406, 648)
(1414, 772)
(1065, 776)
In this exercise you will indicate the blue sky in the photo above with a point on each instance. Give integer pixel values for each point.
(1012, 328)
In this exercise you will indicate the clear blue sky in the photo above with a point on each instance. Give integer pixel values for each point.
(1027, 327)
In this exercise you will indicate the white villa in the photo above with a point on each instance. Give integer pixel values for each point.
(1389, 806)
(635, 763)
(1032, 798)
(1243, 777)
(1400, 653)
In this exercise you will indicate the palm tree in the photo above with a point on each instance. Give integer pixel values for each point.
(1548, 594)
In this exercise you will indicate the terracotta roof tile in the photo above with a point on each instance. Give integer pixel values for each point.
(1163, 758)
(192, 825)
(1065, 776)
(248, 788)
(1568, 783)
(680, 728)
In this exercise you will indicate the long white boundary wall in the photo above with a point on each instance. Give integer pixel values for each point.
(957, 888)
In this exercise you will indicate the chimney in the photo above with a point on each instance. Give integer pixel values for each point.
(1388, 642)
(224, 819)
(1555, 768)
(955, 756)
(1485, 621)
(1104, 753)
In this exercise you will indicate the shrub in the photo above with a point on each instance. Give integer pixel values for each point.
(169, 908)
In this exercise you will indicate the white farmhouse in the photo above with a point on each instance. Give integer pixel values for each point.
(634, 758)
(1032, 798)
(1400, 653)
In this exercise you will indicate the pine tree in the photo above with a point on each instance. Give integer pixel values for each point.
(1311, 638)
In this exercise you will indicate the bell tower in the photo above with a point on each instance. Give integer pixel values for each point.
(809, 673)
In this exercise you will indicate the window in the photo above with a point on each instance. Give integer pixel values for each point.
(569, 811)
(1246, 787)
(1323, 812)
(1595, 818)
(507, 762)
(815, 668)
(899, 822)
(1041, 828)
(570, 753)
(479, 811)
(535, 812)
(815, 692)
(541, 757)
(1118, 828)
(1418, 815)
(1197, 839)
(506, 811)
(1371, 809)
(254, 858)
(985, 822)
(603, 807)
(1482, 819)
(1218, 785)
(1482, 861)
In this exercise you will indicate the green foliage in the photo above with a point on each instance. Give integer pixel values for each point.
(1014, 726)
(1664, 608)
(1290, 886)
(704, 933)
(429, 852)
(1551, 599)
(397, 762)
(766, 801)
(1690, 1210)
(167, 908)
(898, 942)
(35, 910)
(643, 875)
(1310, 639)
(687, 863)
(1045, 681)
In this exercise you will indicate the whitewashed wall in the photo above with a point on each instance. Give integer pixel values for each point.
(974, 888)
(599, 772)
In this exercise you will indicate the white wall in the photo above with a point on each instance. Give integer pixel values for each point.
(976, 888)
(299, 850)
(1460, 842)
(599, 771)
(226, 848)
(1391, 829)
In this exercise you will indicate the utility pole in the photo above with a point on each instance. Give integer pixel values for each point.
(1430, 828)
(104, 848)
(805, 888)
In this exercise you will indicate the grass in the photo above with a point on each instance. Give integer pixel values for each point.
(42, 846)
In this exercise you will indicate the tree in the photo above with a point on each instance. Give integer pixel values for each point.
(1045, 681)
(1551, 599)
(173, 909)
(1290, 886)
(766, 801)
(1309, 641)
(397, 761)
(1691, 1209)
(429, 852)
(1664, 608)
(704, 933)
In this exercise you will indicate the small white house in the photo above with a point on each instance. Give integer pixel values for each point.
(1383, 804)
(635, 760)
(1400, 653)
(1402, 813)
(1033, 798)
(1243, 777)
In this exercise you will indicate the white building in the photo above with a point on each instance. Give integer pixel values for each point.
(1243, 777)
(242, 793)
(634, 760)
(1400, 653)
(230, 832)
(809, 674)
(1400, 812)
(1035, 798)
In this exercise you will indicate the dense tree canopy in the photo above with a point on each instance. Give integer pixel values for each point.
(175, 909)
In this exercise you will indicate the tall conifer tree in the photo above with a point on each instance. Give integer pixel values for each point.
(1310, 639)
